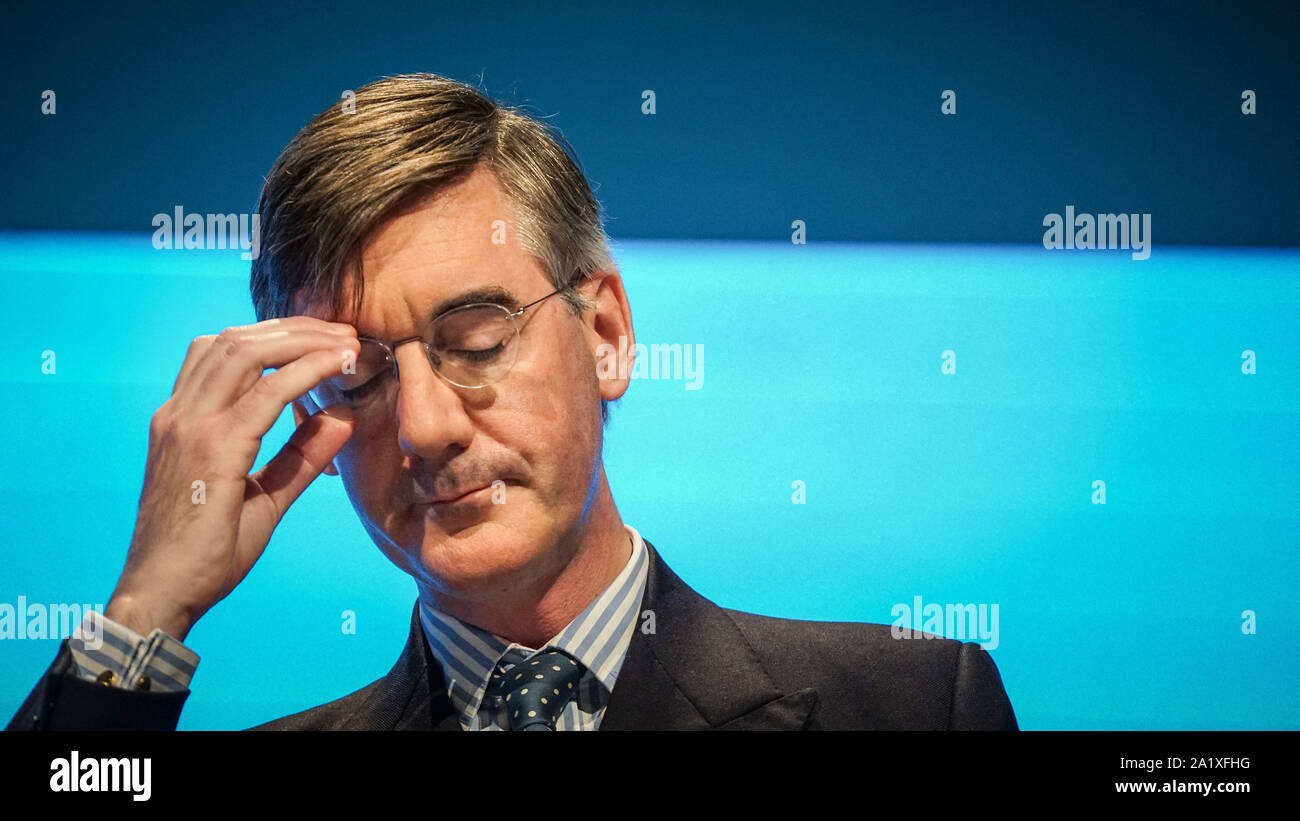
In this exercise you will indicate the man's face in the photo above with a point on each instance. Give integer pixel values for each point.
(536, 433)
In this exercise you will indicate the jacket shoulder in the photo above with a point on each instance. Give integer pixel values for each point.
(351, 712)
(867, 679)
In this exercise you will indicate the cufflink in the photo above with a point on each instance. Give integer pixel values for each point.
(142, 683)
(106, 678)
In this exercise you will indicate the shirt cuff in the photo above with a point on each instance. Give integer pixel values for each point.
(117, 656)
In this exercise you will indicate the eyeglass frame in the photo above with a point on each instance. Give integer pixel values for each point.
(390, 350)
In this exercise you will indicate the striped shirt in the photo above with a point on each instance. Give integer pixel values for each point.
(104, 650)
(598, 637)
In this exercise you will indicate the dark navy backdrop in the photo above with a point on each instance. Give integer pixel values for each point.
(766, 112)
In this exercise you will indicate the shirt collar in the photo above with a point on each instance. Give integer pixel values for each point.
(598, 637)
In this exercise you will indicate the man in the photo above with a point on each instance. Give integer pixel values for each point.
(435, 292)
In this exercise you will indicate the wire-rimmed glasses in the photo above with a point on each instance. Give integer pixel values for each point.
(471, 346)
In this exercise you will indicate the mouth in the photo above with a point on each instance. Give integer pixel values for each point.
(474, 494)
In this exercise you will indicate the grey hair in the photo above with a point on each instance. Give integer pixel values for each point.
(410, 136)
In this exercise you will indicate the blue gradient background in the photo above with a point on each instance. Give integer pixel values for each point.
(822, 362)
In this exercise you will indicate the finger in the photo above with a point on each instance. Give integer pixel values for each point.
(309, 405)
(312, 409)
(311, 447)
(283, 325)
(259, 408)
(193, 355)
(236, 360)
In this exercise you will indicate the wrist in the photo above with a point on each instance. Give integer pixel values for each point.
(144, 614)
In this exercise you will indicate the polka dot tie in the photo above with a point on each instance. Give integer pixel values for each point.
(535, 692)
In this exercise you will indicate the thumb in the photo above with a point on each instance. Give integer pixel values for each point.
(308, 452)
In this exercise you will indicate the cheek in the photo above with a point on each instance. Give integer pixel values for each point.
(578, 423)
(550, 416)
(368, 463)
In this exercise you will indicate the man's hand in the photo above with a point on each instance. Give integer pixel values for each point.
(186, 556)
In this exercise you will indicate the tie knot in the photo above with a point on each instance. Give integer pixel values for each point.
(536, 690)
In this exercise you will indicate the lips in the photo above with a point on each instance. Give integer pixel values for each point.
(454, 496)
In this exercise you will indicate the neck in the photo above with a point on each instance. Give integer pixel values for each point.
(533, 612)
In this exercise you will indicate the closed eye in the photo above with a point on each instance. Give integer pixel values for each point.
(479, 355)
(362, 392)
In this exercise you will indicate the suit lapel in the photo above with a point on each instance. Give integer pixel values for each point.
(412, 696)
(696, 671)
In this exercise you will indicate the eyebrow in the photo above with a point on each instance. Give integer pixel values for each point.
(494, 295)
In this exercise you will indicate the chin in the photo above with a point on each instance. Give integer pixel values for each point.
(482, 555)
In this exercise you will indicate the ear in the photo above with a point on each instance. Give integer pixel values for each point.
(303, 407)
(609, 330)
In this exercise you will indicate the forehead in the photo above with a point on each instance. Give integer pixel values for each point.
(433, 250)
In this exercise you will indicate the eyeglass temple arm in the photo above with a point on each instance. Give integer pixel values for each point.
(537, 301)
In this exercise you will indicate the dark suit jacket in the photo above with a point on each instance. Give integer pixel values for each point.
(704, 667)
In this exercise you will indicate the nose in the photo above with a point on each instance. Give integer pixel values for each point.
(431, 419)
